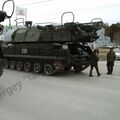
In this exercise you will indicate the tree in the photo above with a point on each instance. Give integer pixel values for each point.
(111, 30)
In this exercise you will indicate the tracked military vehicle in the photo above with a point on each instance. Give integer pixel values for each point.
(51, 48)
(3, 16)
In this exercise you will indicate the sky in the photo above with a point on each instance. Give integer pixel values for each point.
(40, 11)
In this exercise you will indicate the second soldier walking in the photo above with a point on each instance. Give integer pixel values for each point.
(110, 60)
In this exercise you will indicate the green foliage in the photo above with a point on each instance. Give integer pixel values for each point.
(9, 27)
(115, 27)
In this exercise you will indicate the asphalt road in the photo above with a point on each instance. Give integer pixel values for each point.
(66, 96)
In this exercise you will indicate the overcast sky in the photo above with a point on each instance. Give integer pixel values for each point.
(84, 10)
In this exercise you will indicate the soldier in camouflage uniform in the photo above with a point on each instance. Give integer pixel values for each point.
(110, 60)
(94, 63)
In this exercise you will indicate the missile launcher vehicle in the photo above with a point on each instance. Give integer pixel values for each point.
(51, 48)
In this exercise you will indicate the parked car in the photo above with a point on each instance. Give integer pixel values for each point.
(117, 52)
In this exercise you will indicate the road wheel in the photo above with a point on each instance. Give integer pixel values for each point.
(19, 65)
(48, 69)
(27, 66)
(12, 65)
(37, 67)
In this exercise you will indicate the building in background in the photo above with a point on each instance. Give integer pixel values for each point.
(103, 41)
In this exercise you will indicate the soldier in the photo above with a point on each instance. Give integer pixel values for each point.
(110, 60)
(94, 63)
